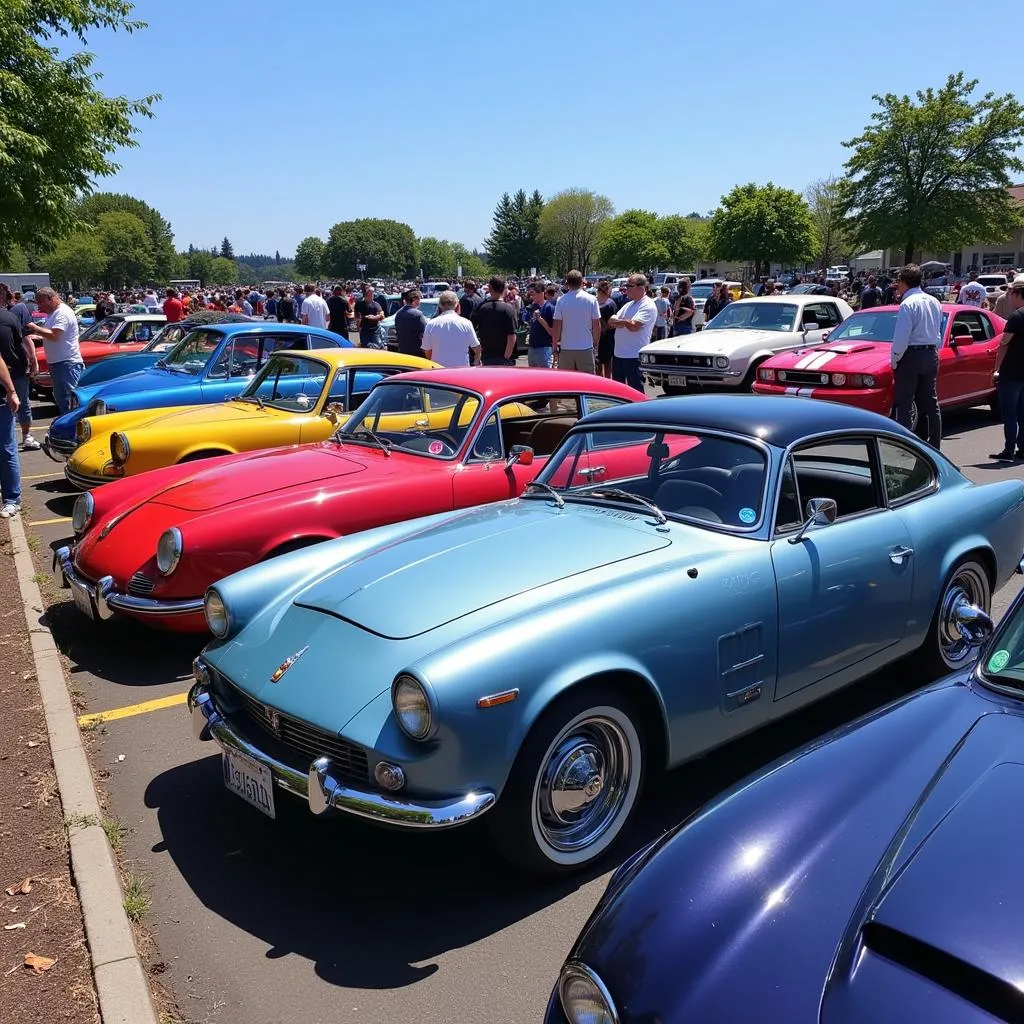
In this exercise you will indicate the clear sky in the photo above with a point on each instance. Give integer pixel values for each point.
(279, 120)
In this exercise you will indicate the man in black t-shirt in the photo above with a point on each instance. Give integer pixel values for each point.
(369, 314)
(871, 295)
(1010, 378)
(337, 306)
(495, 323)
(469, 300)
(410, 324)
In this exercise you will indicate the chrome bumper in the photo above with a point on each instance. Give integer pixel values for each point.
(321, 789)
(57, 448)
(703, 373)
(106, 600)
(83, 483)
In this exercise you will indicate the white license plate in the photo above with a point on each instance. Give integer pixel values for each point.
(82, 598)
(677, 382)
(249, 780)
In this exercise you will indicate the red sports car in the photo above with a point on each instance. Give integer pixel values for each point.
(422, 443)
(853, 365)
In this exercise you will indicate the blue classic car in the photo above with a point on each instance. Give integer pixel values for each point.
(870, 876)
(211, 363)
(681, 572)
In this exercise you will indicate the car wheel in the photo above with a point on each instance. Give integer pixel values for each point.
(946, 650)
(574, 784)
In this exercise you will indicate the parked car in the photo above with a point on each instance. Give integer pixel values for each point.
(681, 572)
(297, 398)
(149, 546)
(85, 314)
(111, 336)
(994, 285)
(701, 290)
(428, 307)
(869, 876)
(853, 362)
(210, 364)
(727, 353)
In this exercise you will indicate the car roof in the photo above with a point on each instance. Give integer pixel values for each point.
(947, 307)
(779, 420)
(358, 357)
(267, 326)
(134, 317)
(514, 380)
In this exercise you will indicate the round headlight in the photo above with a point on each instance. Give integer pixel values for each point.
(583, 996)
(839, 379)
(782, 374)
(217, 617)
(168, 550)
(83, 431)
(869, 380)
(119, 448)
(412, 707)
(73, 402)
(722, 362)
(81, 514)
(97, 407)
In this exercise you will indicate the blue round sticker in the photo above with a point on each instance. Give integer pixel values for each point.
(747, 515)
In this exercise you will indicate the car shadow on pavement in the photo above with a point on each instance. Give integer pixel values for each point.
(367, 904)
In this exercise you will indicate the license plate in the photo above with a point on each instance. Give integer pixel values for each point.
(249, 780)
(82, 598)
(677, 382)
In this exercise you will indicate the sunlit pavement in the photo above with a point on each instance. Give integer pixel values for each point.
(330, 921)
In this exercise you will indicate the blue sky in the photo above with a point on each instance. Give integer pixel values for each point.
(427, 113)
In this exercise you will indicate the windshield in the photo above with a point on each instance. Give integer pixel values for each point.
(166, 338)
(871, 326)
(102, 329)
(1005, 661)
(688, 475)
(701, 291)
(293, 383)
(755, 316)
(193, 351)
(431, 421)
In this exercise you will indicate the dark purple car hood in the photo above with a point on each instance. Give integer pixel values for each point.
(871, 877)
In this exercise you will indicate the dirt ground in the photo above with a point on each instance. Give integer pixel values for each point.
(43, 916)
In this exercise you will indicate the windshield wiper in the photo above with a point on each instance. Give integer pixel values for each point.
(162, 363)
(548, 488)
(250, 398)
(383, 442)
(614, 492)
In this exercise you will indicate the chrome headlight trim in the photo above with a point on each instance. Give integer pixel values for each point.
(120, 449)
(97, 407)
(575, 973)
(82, 513)
(218, 618)
(83, 431)
(414, 708)
(721, 362)
(168, 551)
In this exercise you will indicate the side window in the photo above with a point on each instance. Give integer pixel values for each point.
(595, 403)
(222, 367)
(832, 315)
(319, 341)
(973, 323)
(488, 442)
(817, 312)
(143, 332)
(271, 343)
(362, 382)
(907, 474)
(842, 470)
(126, 334)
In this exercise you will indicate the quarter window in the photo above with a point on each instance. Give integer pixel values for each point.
(842, 470)
(907, 474)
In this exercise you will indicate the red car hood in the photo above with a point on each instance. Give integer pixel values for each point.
(842, 357)
(258, 475)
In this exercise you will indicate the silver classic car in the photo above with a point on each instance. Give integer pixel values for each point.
(728, 351)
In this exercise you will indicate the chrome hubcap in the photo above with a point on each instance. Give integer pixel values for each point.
(966, 588)
(583, 783)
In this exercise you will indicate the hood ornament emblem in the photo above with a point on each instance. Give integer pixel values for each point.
(287, 664)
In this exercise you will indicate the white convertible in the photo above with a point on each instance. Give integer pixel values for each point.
(728, 351)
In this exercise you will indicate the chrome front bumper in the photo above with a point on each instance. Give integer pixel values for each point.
(321, 789)
(84, 483)
(57, 448)
(702, 374)
(106, 601)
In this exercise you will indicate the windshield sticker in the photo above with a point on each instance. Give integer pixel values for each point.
(747, 515)
(435, 448)
(998, 661)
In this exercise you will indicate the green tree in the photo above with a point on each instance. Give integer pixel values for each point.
(225, 248)
(223, 270)
(569, 227)
(932, 174)
(683, 241)
(631, 241)
(387, 247)
(17, 261)
(762, 224)
(515, 241)
(79, 258)
(831, 234)
(247, 274)
(436, 257)
(179, 267)
(161, 237)
(200, 265)
(126, 244)
(57, 129)
(472, 263)
(309, 258)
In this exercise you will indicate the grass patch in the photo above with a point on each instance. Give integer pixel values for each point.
(115, 832)
(136, 900)
(33, 543)
(42, 579)
(80, 821)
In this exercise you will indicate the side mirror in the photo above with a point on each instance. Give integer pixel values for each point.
(819, 512)
(520, 454)
(334, 411)
(973, 624)
(810, 325)
(961, 337)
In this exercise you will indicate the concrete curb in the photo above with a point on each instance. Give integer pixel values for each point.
(121, 984)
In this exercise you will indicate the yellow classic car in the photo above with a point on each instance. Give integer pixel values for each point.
(298, 397)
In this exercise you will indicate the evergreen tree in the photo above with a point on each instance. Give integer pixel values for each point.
(515, 243)
(225, 249)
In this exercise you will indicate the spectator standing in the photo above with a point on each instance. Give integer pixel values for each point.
(410, 324)
(871, 294)
(286, 308)
(1003, 306)
(607, 307)
(713, 303)
(541, 321)
(891, 294)
(1010, 373)
(173, 309)
(369, 313)
(973, 293)
(21, 369)
(150, 301)
(664, 307)
(917, 337)
(684, 309)
(495, 323)
(270, 306)
(577, 326)
(12, 354)
(315, 312)
(337, 306)
(469, 299)
(60, 342)
(633, 325)
(20, 310)
(449, 338)
(514, 299)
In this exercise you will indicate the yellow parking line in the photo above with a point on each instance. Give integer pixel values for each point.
(132, 709)
(49, 522)
(42, 476)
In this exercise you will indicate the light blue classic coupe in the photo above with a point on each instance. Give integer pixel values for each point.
(681, 572)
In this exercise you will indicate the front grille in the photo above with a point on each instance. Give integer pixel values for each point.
(296, 736)
(803, 377)
(140, 584)
(671, 359)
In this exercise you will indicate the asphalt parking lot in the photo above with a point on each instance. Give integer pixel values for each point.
(332, 921)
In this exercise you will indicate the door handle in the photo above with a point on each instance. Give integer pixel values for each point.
(591, 471)
(898, 555)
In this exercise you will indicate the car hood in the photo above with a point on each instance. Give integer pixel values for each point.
(141, 380)
(196, 417)
(847, 357)
(888, 839)
(262, 473)
(400, 590)
(721, 342)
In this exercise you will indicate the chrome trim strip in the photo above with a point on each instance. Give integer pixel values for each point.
(83, 483)
(324, 792)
